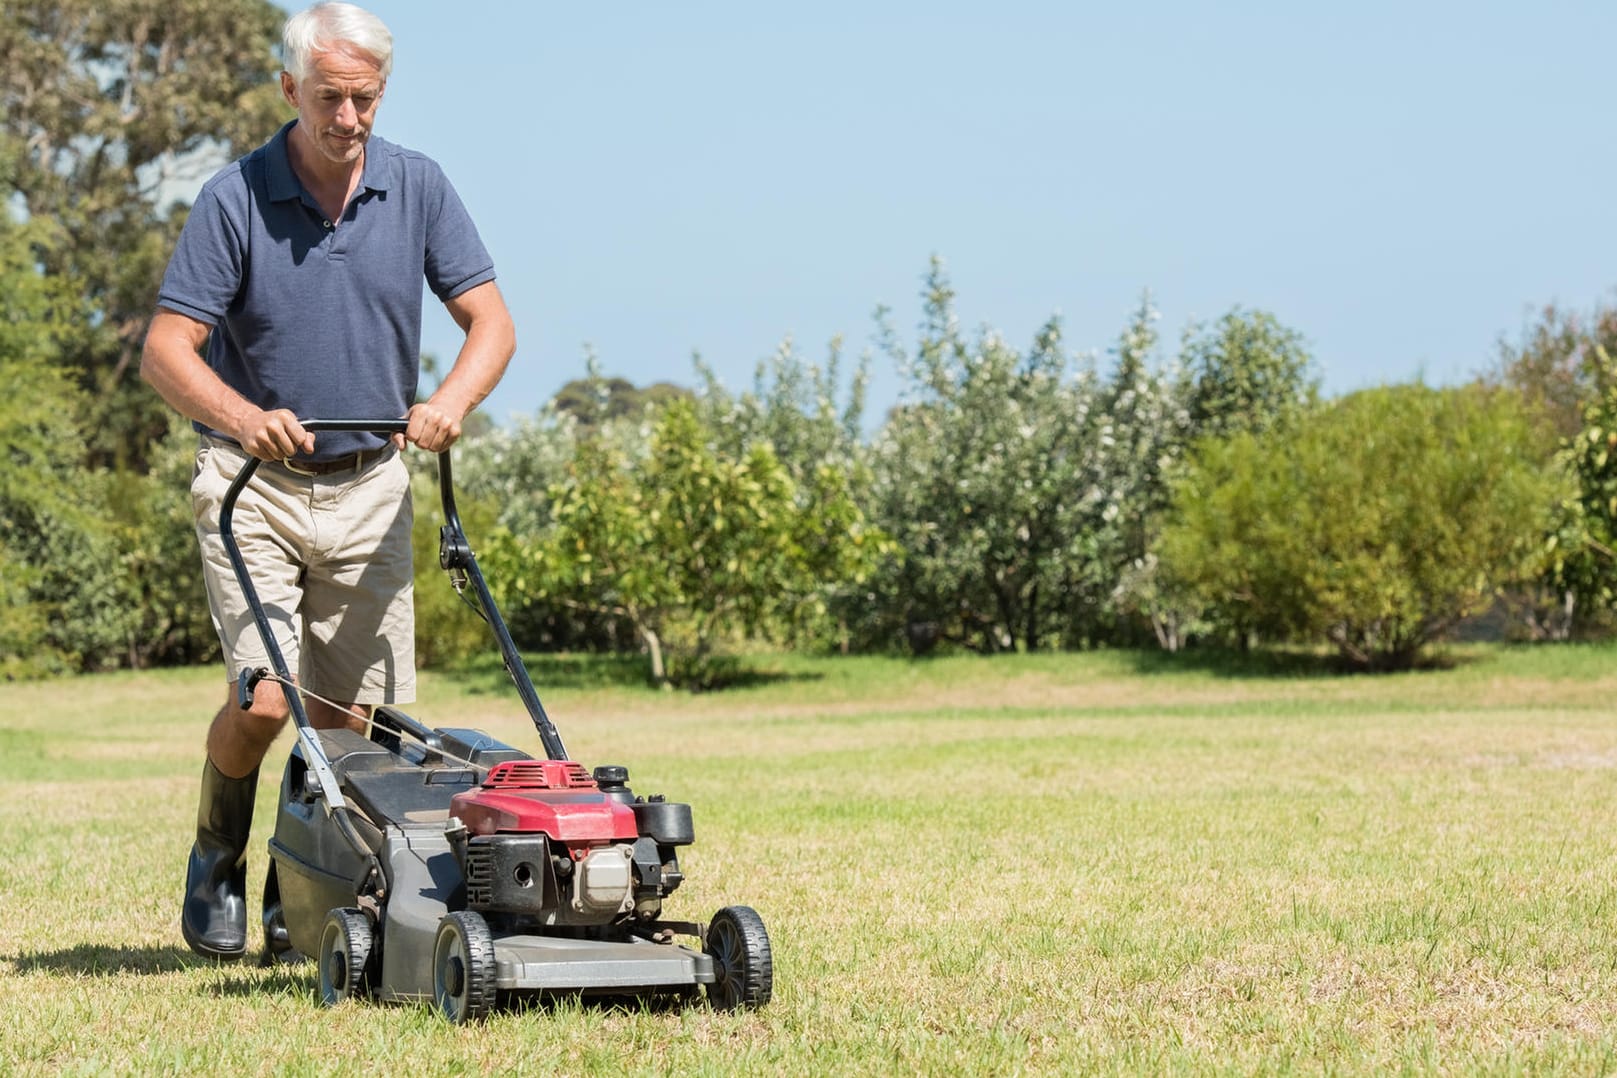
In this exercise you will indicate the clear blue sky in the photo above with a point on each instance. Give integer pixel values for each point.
(1400, 182)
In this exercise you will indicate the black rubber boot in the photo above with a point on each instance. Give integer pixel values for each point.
(214, 921)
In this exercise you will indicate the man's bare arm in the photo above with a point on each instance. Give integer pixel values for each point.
(172, 363)
(490, 342)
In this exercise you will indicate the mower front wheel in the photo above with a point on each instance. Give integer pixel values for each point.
(743, 965)
(345, 957)
(463, 970)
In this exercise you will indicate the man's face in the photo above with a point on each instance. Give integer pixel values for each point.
(336, 102)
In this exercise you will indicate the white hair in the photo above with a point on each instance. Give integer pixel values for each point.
(329, 24)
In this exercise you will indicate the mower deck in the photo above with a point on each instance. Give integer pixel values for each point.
(551, 963)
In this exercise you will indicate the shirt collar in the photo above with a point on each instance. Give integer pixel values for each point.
(283, 182)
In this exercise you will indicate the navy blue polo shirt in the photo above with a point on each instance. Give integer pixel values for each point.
(322, 317)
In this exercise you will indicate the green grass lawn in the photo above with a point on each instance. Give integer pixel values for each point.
(1115, 863)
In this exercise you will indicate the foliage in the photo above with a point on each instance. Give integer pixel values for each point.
(1376, 525)
(158, 572)
(1148, 426)
(1247, 372)
(35, 491)
(448, 628)
(107, 107)
(108, 104)
(595, 399)
(514, 467)
(1560, 363)
(976, 481)
(688, 545)
(510, 473)
(794, 409)
(58, 559)
(1019, 487)
(1563, 369)
(55, 590)
(1582, 548)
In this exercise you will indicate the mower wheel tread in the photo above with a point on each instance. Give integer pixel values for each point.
(347, 969)
(463, 968)
(743, 964)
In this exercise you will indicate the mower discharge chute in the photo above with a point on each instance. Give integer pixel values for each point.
(439, 864)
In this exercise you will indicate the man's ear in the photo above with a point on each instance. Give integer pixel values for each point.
(289, 88)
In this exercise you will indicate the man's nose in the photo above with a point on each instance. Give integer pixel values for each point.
(347, 113)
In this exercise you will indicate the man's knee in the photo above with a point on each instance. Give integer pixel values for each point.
(262, 722)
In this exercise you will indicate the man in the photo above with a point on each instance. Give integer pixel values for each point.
(295, 291)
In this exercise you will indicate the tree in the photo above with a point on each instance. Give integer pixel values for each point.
(1581, 554)
(1563, 369)
(1150, 425)
(795, 408)
(504, 479)
(693, 548)
(55, 572)
(153, 529)
(1560, 364)
(979, 477)
(1377, 525)
(596, 399)
(448, 626)
(1021, 488)
(1247, 372)
(107, 105)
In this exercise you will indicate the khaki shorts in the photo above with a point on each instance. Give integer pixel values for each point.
(330, 558)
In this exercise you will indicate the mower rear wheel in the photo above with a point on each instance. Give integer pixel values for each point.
(278, 949)
(345, 956)
(743, 965)
(463, 970)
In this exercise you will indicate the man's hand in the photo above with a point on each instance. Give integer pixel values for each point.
(273, 435)
(433, 426)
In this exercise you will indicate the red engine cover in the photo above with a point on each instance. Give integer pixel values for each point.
(553, 797)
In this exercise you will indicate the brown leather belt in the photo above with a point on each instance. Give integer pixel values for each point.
(353, 462)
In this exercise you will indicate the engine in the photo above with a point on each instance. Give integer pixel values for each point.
(547, 840)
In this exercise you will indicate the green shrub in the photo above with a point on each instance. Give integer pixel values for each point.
(447, 631)
(1375, 525)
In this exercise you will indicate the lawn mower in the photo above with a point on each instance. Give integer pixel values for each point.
(439, 864)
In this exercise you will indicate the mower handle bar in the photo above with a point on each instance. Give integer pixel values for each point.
(372, 426)
(455, 555)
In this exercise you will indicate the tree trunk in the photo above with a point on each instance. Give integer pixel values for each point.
(1166, 626)
(654, 649)
(1030, 629)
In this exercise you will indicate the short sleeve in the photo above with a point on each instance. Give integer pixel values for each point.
(456, 259)
(204, 275)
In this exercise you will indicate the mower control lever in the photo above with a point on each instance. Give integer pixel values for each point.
(246, 682)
